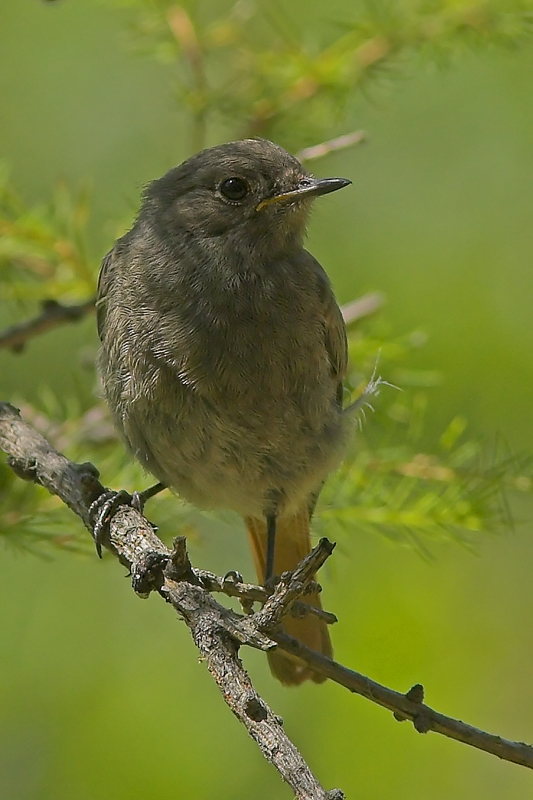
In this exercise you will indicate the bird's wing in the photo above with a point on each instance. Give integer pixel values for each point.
(336, 341)
(334, 328)
(104, 282)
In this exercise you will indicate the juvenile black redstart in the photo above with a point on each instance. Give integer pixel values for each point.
(224, 351)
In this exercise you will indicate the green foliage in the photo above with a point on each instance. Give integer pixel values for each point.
(42, 249)
(414, 490)
(255, 71)
(263, 69)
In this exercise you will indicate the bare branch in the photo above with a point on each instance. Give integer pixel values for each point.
(324, 148)
(364, 306)
(52, 315)
(217, 631)
(250, 593)
(409, 706)
(291, 585)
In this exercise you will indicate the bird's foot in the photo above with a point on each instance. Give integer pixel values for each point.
(232, 576)
(106, 505)
(271, 583)
(103, 509)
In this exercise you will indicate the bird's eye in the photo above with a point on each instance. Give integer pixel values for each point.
(234, 189)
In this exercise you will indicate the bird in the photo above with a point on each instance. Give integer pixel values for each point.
(223, 353)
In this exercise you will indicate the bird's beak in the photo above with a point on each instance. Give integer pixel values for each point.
(308, 187)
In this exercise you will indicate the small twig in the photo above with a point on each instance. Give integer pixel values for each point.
(183, 30)
(217, 631)
(324, 148)
(364, 306)
(52, 315)
(249, 593)
(409, 706)
(291, 586)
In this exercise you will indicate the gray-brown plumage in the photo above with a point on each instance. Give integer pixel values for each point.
(224, 350)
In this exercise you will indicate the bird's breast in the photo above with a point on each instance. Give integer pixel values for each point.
(261, 345)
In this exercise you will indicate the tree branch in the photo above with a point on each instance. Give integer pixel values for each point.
(219, 632)
(364, 306)
(409, 706)
(52, 315)
(331, 146)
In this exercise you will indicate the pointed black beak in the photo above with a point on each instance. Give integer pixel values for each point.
(308, 187)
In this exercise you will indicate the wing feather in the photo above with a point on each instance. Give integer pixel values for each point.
(104, 282)
(335, 337)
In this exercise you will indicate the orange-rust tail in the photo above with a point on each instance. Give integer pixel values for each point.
(293, 542)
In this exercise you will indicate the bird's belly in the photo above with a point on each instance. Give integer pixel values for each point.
(246, 454)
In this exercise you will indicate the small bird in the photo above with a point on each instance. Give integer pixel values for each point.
(224, 351)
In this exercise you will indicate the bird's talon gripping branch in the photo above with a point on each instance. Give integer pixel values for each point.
(102, 511)
(270, 584)
(233, 576)
(137, 502)
(139, 499)
(106, 504)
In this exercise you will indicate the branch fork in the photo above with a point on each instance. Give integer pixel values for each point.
(156, 571)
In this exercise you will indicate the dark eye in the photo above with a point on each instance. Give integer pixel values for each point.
(234, 188)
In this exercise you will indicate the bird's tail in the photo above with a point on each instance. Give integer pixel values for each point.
(293, 542)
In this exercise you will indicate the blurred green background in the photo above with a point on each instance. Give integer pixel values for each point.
(101, 695)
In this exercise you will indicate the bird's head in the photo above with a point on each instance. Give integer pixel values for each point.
(251, 188)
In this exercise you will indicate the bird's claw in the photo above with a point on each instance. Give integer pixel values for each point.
(233, 576)
(104, 507)
(137, 502)
(102, 510)
(270, 583)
